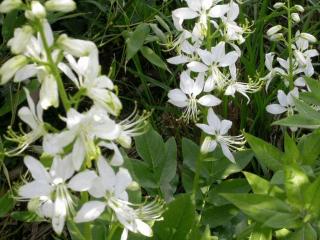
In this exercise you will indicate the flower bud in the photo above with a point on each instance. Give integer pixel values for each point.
(37, 11)
(274, 30)
(10, 67)
(308, 37)
(276, 37)
(295, 17)
(76, 47)
(299, 8)
(278, 5)
(21, 38)
(60, 5)
(9, 5)
(205, 147)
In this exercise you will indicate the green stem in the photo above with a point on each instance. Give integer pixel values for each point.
(197, 176)
(113, 229)
(290, 76)
(54, 69)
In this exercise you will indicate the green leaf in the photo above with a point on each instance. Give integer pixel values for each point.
(295, 181)
(314, 86)
(144, 174)
(190, 152)
(306, 110)
(6, 204)
(152, 57)
(218, 216)
(227, 186)
(261, 233)
(305, 233)
(177, 220)
(136, 40)
(308, 147)
(291, 151)
(267, 210)
(267, 154)
(26, 216)
(74, 231)
(262, 186)
(300, 121)
(311, 198)
(150, 147)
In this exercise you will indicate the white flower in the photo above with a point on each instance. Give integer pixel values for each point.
(217, 130)
(37, 11)
(272, 71)
(84, 129)
(211, 62)
(76, 47)
(286, 103)
(21, 38)
(97, 87)
(242, 88)
(295, 17)
(9, 5)
(111, 187)
(186, 96)
(32, 116)
(51, 189)
(60, 5)
(132, 126)
(196, 8)
(10, 67)
(309, 37)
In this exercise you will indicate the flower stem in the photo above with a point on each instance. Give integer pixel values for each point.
(54, 69)
(112, 231)
(290, 76)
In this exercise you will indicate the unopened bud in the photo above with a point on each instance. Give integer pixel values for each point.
(37, 11)
(60, 5)
(21, 38)
(274, 30)
(278, 5)
(276, 37)
(295, 17)
(308, 37)
(76, 47)
(10, 67)
(9, 5)
(299, 8)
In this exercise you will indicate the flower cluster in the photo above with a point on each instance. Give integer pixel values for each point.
(296, 66)
(78, 163)
(210, 53)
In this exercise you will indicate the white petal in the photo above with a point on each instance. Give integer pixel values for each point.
(107, 174)
(68, 72)
(90, 211)
(184, 13)
(54, 143)
(282, 98)
(36, 169)
(225, 126)
(229, 59)
(144, 228)
(213, 119)
(180, 59)
(275, 109)
(218, 11)
(206, 56)
(227, 153)
(233, 11)
(198, 85)
(219, 51)
(123, 180)
(78, 153)
(49, 92)
(311, 53)
(209, 101)
(97, 189)
(206, 128)
(104, 82)
(26, 72)
(177, 95)
(62, 168)
(82, 181)
(124, 234)
(35, 189)
(197, 67)
(26, 116)
(59, 215)
(186, 83)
